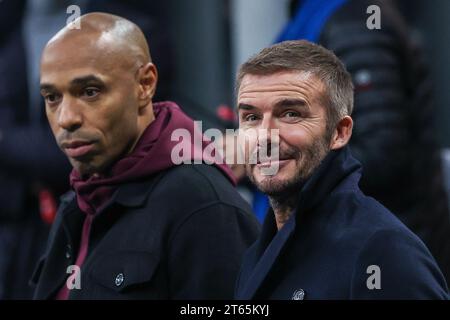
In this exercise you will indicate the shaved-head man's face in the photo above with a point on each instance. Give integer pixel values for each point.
(97, 83)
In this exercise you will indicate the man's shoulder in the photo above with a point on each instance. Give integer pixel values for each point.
(360, 219)
(360, 212)
(180, 188)
(194, 173)
(185, 189)
(383, 244)
(401, 265)
(201, 182)
(380, 219)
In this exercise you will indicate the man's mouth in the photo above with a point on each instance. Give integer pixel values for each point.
(77, 148)
(269, 162)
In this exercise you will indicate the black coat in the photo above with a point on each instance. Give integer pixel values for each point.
(327, 247)
(178, 235)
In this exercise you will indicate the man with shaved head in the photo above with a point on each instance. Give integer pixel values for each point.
(135, 225)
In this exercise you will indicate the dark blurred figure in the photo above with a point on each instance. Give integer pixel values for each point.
(394, 129)
(32, 169)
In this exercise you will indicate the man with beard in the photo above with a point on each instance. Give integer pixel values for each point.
(136, 226)
(323, 238)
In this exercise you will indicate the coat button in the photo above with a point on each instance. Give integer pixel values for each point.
(119, 279)
(298, 294)
(68, 252)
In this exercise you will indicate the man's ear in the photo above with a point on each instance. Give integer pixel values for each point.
(342, 133)
(147, 78)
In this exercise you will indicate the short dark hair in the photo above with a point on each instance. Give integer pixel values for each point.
(305, 56)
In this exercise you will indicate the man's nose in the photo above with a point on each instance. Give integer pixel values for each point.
(265, 129)
(267, 122)
(266, 133)
(69, 117)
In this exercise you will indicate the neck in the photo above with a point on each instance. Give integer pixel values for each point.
(283, 206)
(146, 117)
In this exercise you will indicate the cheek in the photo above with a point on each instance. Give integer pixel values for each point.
(121, 107)
(116, 122)
(121, 127)
(297, 137)
(302, 135)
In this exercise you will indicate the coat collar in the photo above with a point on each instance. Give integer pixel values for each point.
(264, 254)
(128, 195)
(136, 193)
(132, 194)
(338, 167)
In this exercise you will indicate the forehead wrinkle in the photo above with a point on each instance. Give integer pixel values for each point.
(281, 93)
(304, 86)
(296, 79)
(291, 78)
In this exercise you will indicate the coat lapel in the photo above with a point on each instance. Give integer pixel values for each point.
(266, 255)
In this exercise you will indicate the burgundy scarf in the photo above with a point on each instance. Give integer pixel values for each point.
(151, 155)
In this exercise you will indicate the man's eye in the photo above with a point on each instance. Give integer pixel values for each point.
(290, 114)
(250, 117)
(51, 98)
(91, 92)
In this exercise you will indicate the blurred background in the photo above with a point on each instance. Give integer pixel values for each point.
(402, 100)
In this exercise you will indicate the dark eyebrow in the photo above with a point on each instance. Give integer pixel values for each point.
(243, 106)
(86, 79)
(47, 87)
(74, 82)
(286, 103)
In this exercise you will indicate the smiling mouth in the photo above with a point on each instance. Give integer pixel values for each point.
(272, 162)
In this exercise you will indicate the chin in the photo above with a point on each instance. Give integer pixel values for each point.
(283, 181)
(285, 173)
(85, 168)
(269, 185)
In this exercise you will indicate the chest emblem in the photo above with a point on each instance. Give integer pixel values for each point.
(298, 294)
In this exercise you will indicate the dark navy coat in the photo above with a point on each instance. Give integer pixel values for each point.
(339, 244)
